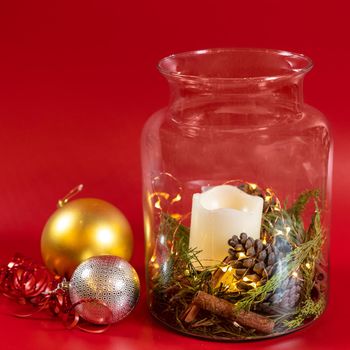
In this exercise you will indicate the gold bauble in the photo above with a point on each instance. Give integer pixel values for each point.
(83, 228)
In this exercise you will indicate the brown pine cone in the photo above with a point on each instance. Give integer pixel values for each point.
(252, 260)
(255, 262)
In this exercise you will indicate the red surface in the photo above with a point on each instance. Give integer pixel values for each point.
(77, 82)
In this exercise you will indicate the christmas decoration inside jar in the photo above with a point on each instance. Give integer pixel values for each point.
(236, 178)
(268, 278)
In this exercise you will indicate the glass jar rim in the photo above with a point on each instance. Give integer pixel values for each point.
(234, 65)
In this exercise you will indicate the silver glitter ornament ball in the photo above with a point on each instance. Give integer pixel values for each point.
(106, 289)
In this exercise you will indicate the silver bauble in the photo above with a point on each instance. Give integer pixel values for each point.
(107, 288)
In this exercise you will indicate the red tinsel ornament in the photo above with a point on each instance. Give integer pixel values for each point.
(25, 281)
(32, 284)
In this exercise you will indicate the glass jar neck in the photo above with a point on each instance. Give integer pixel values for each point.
(280, 94)
(246, 80)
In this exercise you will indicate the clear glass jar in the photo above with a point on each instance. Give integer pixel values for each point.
(236, 179)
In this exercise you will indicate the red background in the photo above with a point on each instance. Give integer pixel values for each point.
(78, 81)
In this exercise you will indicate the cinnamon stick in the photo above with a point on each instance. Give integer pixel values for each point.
(224, 308)
(192, 311)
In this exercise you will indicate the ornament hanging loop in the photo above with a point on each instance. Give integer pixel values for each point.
(63, 286)
(70, 195)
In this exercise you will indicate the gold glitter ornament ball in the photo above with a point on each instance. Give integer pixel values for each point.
(83, 228)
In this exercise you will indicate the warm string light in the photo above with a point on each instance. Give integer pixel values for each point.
(155, 200)
(176, 199)
(241, 256)
(176, 216)
(158, 196)
(161, 196)
(230, 279)
(165, 180)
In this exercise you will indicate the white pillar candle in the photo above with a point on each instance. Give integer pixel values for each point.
(219, 213)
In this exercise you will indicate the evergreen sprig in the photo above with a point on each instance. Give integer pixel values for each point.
(308, 309)
(296, 210)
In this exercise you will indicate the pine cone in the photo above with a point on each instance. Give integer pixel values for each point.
(284, 299)
(252, 260)
(287, 295)
(282, 244)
